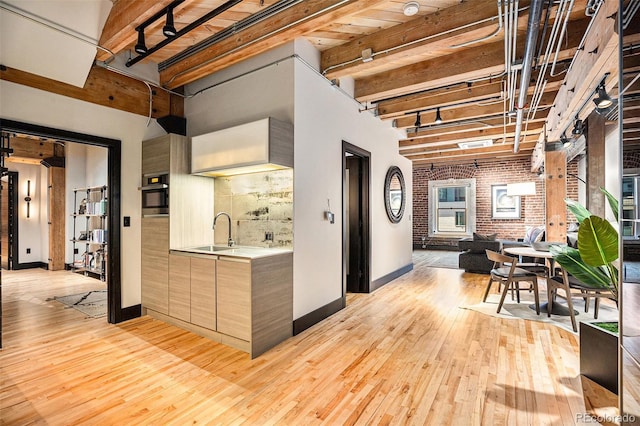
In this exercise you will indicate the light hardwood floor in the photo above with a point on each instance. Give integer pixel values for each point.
(405, 354)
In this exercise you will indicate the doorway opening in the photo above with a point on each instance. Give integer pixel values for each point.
(115, 312)
(356, 231)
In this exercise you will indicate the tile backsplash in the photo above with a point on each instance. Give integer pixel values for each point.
(259, 204)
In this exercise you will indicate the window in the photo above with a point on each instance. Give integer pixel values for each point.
(452, 207)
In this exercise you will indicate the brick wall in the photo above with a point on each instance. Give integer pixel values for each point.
(532, 207)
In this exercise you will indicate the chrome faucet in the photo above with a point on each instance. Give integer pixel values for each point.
(230, 242)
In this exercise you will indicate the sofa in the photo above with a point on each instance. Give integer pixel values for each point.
(474, 258)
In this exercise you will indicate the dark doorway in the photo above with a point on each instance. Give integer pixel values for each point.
(9, 220)
(356, 230)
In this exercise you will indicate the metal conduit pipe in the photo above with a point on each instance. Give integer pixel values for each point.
(533, 25)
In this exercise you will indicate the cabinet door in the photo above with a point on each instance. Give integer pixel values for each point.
(180, 287)
(234, 298)
(155, 155)
(203, 292)
(155, 263)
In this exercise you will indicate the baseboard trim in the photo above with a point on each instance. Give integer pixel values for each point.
(31, 265)
(376, 284)
(314, 317)
(130, 312)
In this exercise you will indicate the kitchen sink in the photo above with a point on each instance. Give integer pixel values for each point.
(213, 248)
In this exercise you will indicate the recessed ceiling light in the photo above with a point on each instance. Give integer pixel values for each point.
(411, 8)
(475, 144)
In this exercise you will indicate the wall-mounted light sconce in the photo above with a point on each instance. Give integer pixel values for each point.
(28, 198)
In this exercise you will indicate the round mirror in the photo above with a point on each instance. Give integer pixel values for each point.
(394, 194)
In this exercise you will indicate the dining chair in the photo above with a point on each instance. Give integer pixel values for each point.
(574, 288)
(510, 276)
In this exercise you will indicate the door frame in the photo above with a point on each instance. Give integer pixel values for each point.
(115, 312)
(366, 213)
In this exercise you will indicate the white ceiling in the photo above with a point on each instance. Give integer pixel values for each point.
(38, 49)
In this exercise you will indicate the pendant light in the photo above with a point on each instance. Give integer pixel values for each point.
(169, 30)
(438, 117)
(141, 47)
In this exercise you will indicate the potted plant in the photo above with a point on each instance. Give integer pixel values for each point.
(594, 263)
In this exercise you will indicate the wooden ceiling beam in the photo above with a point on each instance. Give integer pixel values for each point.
(466, 65)
(119, 30)
(467, 112)
(473, 135)
(32, 149)
(436, 31)
(434, 130)
(271, 32)
(476, 153)
(451, 96)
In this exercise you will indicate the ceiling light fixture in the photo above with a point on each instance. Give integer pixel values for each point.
(169, 30)
(475, 144)
(141, 47)
(566, 142)
(475, 164)
(417, 123)
(438, 117)
(411, 8)
(578, 128)
(603, 100)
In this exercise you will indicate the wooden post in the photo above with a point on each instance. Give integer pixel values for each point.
(555, 165)
(56, 218)
(595, 137)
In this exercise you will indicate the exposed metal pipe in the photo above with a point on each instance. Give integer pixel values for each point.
(533, 25)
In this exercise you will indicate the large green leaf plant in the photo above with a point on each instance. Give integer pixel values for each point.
(594, 261)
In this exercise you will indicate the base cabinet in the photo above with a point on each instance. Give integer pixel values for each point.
(203, 292)
(155, 264)
(245, 303)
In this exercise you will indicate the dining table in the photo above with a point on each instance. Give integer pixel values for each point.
(528, 251)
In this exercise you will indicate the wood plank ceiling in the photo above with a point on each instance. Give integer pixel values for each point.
(450, 58)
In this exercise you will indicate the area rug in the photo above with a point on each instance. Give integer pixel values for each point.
(92, 303)
(436, 258)
(513, 310)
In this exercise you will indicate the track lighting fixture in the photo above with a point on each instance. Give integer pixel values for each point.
(141, 48)
(578, 128)
(475, 164)
(169, 30)
(438, 117)
(566, 142)
(417, 123)
(432, 167)
(603, 100)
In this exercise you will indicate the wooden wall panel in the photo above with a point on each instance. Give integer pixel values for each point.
(595, 163)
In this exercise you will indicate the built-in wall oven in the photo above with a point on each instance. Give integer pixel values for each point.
(155, 194)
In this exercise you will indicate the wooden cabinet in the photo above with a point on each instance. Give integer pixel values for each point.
(156, 155)
(234, 297)
(180, 287)
(203, 292)
(192, 288)
(155, 263)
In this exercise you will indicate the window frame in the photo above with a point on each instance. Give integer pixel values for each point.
(434, 201)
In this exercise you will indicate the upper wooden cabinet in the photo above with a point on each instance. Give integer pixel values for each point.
(156, 155)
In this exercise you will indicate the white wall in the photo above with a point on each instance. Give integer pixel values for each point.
(323, 117)
(31, 230)
(34, 106)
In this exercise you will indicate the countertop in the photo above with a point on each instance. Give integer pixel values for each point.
(244, 252)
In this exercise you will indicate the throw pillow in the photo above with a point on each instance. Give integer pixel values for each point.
(533, 232)
(480, 237)
(540, 235)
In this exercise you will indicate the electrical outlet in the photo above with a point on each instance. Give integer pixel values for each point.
(28, 251)
(268, 236)
(127, 221)
(75, 251)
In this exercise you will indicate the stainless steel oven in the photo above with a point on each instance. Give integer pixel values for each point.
(155, 194)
